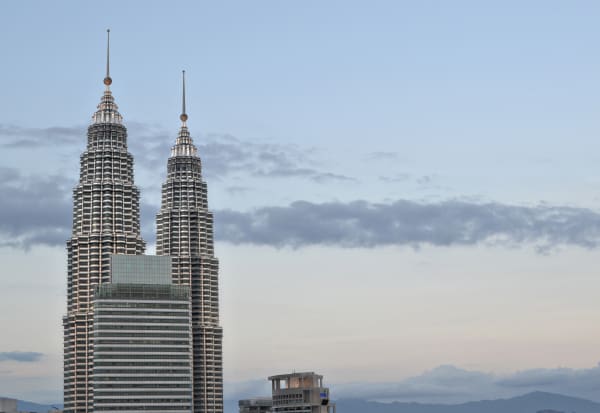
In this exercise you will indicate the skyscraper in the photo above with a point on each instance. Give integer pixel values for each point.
(185, 232)
(106, 220)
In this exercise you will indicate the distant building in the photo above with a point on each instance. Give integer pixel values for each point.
(8, 405)
(300, 393)
(142, 339)
(258, 405)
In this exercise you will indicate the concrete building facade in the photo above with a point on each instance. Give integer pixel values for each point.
(258, 405)
(8, 405)
(300, 393)
(142, 339)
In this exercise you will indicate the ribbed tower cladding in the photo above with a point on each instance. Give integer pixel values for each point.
(106, 220)
(185, 232)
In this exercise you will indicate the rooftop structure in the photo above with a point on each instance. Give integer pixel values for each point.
(300, 393)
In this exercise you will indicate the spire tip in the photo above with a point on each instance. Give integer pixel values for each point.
(183, 116)
(107, 79)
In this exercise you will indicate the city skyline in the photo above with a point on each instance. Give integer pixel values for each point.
(472, 129)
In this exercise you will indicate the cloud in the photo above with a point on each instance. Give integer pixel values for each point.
(383, 156)
(12, 136)
(448, 223)
(20, 356)
(222, 154)
(36, 210)
(33, 209)
(402, 177)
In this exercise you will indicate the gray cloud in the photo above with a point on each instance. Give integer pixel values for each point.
(237, 189)
(364, 224)
(221, 154)
(224, 155)
(20, 356)
(12, 136)
(402, 177)
(37, 210)
(33, 210)
(383, 156)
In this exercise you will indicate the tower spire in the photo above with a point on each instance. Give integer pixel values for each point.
(183, 116)
(107, 79)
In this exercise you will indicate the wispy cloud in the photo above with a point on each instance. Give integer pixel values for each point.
(383, 156)
(222, 154)
(12, 136)
(36, 210)
(20, 356)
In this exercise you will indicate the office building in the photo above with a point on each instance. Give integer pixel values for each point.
(142, 339)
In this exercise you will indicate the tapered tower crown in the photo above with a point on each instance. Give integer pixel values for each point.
(108, 111)
(184, 145)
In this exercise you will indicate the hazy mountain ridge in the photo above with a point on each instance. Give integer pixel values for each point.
(27, 406)
(528, 403)
(535, 402)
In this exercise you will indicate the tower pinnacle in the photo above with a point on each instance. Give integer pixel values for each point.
(183, 116)
(107, 79)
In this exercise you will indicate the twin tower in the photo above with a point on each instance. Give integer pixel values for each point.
(143, 350)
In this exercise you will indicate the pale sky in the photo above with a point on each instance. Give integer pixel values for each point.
(397, 186)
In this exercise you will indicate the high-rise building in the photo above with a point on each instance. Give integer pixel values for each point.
(300, 393)
(106, 220)
(142, 339)
(185, 232)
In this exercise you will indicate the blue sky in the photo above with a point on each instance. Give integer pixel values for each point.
(408, 184)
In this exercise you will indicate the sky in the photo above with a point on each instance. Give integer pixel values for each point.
(406, 194)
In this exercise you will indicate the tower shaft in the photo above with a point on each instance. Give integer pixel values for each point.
(106, 220)
(185, 232)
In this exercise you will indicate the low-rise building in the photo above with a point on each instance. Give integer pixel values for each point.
(8, 405)
(300, 393)
(258, 405)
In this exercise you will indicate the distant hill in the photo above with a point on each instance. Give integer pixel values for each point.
(528, 403)
(536, 402)
(25, 406)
